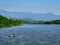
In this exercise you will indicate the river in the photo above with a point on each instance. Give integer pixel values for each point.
(31, 34)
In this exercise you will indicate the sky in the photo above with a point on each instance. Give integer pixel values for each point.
(33, 6)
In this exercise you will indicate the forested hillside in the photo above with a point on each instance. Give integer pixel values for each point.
(6, 22)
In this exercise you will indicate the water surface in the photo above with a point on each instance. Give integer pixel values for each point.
(31, 35)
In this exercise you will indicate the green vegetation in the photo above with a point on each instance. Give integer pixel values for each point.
(6, 22)
(46, 22)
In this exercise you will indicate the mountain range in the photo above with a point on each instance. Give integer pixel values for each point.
(30, 16)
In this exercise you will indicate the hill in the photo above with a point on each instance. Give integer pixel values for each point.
(33, 16)
(6, 22)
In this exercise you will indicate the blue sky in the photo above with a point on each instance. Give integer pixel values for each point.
(34, 6)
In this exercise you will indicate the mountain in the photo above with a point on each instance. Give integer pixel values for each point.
(30, 16)
(6, 22)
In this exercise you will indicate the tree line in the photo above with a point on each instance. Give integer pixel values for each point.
(46, 22)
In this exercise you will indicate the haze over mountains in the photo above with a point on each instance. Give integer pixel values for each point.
(30, 16)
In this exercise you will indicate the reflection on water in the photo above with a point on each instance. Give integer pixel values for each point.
(31, 35)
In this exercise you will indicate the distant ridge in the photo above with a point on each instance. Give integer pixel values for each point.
(34, 16)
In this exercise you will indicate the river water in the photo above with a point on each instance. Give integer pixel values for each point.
(30, 34)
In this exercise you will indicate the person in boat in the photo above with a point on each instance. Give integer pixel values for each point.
(11, 36)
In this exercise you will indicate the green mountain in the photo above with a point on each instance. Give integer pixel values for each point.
(7, 22)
